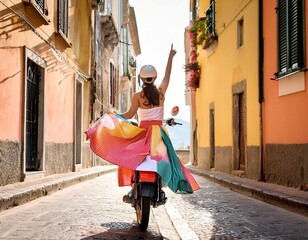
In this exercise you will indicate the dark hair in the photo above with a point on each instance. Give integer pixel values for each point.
(151, 93)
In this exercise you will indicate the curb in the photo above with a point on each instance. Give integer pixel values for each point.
(179, 223)
(284, 197)
(18, 196)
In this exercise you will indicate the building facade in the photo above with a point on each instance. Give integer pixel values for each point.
(248, 101)
(62, 68)
(285, 112)
(223, 77)
(48, 62)
(116, 47)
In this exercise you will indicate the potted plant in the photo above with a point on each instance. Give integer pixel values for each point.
(197, 32)
(193, 69)
(201, 34)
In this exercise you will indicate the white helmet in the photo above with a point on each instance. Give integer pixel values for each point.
(148, 71)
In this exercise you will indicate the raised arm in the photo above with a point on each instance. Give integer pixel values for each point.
(164, 85)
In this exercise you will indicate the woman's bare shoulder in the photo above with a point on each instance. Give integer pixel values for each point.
(137, 95)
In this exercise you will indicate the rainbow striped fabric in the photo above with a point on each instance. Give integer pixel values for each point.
(146, 148)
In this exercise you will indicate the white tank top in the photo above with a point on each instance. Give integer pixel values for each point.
(156, 113)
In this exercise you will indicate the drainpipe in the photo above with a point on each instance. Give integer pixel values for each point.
(261, 88)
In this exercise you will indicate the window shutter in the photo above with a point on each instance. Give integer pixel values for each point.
(282, 35)
(210, 18)
(295, 34)
(290, 36)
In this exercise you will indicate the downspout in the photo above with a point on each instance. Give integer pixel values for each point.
(261, 88)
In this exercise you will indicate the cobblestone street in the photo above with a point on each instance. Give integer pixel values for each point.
(215, 212)
(94, 210)
(89, 210)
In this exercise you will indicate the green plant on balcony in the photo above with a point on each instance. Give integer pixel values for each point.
(197, 32)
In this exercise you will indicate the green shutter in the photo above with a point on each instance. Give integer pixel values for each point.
(282, 36)
(294, 34)
(290, 36)
(210, 18)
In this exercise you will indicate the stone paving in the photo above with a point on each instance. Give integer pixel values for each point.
(89, 210)
(22, 192)
(216, 212)
(286, 197)
(211, 213)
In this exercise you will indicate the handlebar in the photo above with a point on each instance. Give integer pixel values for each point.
(171, 122)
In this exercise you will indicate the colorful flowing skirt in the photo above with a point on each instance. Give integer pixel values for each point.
(146, 147)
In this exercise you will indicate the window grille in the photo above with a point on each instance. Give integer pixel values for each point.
(32, 115)
(41, 6)
(63, 17)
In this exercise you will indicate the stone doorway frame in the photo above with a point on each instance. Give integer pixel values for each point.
(237, 89)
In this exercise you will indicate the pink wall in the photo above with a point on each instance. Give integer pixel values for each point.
(11, 83)
(60, 107)
(285, 118)
(59, 99)
(59, 78)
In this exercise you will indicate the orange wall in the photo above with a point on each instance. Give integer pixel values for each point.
(285, 118)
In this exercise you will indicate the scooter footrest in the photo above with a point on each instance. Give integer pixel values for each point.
(127, 199)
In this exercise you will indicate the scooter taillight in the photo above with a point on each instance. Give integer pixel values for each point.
(147, 176)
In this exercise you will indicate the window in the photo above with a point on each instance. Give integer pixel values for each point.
(240, 32)
(41, 6)
(290, 36)
(113, 85)
(63, 17)
(210, 18)
(195, 7)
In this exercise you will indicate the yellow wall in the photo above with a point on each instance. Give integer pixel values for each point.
(228, 65)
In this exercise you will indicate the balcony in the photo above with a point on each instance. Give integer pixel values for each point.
(39, 8)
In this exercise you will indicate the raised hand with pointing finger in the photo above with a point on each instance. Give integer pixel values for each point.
(172, 51)
(165, 83)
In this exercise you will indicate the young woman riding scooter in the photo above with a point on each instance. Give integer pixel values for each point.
(146, 147)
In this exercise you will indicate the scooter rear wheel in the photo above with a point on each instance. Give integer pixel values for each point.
(143, 212)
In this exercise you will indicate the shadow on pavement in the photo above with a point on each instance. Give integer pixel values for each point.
(124, 230)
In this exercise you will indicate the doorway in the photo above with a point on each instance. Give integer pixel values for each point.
(34, 143)
(78, 124)
(212, 136)
(239, 126)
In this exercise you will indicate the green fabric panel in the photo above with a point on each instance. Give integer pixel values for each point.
(178, 181)
(164, 170)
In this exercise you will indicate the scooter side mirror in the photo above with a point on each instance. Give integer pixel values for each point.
(175, 110)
